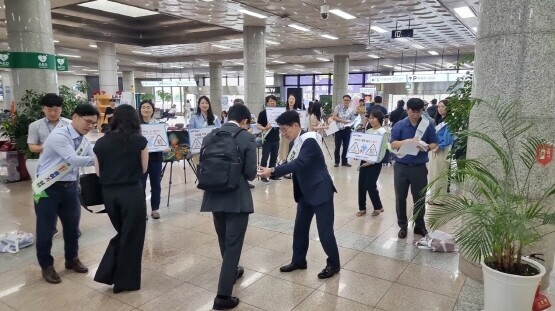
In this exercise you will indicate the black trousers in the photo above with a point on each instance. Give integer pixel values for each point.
(324, 221)
(121, 263)
(61, 202)
(415, 177)
(368, 182)
(342, 137)
(269, 150)
(231, 228)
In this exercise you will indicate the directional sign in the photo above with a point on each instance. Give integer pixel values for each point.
(544, 154)
(404, 33)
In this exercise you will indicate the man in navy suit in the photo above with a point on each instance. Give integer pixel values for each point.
(313, 190)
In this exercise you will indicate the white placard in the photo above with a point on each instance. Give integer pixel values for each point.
(169, 83)
(303, 115)
(365, 147)
(332, 128)
(127, 98)
(156, 136)
(272, 113)
(196, 136)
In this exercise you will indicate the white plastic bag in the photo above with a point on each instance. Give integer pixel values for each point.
(11, 242)
(438, 241)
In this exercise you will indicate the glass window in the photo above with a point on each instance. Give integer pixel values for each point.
(321, 90)
(224, 81)
(305, 80)
(291, 80)
(232, 81)
(355, 78)
(270, 80)
(354, 88)
(322, 79)
(177, 97)
(241, 81)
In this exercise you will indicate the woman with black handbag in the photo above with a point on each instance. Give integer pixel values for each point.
(121, 160)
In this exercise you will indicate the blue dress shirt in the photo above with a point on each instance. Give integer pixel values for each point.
(60, 146)
(198, 121)
(405, 130)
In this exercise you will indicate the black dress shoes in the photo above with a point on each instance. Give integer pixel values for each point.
(51, 276)
(76, 265)
(346, 165)
(224, 304)
(292, 267)
(328, 272)
(402, 233)
(420, 231)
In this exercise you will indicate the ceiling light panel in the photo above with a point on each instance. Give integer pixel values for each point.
(301, 28)
(272, 42)
(251, 13)
(433, 53)
(464, 12)
(378, 29)
(342, 14)
(322, 59)
(374, 56)
(418, 46)
(117, 8)
(141, 52)
(329, 37)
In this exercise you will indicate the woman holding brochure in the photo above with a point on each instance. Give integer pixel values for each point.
(368, 171)
(438, 156)
(146, 113)
(316, 123)
(121, 160)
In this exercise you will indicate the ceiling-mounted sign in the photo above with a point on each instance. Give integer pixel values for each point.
(32, 60)
(273, 89)
(169, 83)
(440, 77)
(404, 33)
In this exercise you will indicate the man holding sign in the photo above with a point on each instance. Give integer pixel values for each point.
(410, 170)
(55, 189)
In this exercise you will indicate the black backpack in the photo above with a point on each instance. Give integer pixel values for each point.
(220, 168)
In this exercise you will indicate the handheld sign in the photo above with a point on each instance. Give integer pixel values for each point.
(196, 136)
(156, 136)
(272, 113)
(366, 147)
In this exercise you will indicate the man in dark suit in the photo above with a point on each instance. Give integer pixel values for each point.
(313, 190)
(231, 209)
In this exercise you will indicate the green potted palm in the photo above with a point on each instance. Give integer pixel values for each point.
(500, 213)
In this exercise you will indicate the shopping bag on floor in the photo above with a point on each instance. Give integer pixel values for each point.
(437, 241)
(12, 242)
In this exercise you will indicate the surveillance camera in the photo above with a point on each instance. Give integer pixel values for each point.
(325, 11)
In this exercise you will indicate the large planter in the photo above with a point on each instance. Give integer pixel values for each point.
(510, 292)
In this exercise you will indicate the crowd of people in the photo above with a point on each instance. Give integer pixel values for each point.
(124, 164)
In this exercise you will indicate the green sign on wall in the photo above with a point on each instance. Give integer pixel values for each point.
(33, 60)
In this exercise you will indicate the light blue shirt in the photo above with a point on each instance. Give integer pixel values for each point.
(60, 146)
(198, 121)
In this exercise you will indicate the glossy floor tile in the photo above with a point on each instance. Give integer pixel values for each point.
(182, 260)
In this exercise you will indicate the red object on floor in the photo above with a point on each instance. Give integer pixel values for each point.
(540, 301)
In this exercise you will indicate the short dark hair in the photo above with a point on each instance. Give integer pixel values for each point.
(51, 100)
(378, 99)
(270, 97)
(434, 101)
(289, 117)
(378, 114)
(112, 100)
(238, 101)
(361, 101)
(415, 104)
(238, 113)
(86, 110)
(400, 103)
(347, 95)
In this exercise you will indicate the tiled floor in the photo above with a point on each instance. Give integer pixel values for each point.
(181, 260)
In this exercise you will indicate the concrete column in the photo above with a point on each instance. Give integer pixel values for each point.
(340, 78)
(514, 61)
(255, 66)
(216, 87)
(29, 27)
(129, 81)
(107, 67)
(278, 82)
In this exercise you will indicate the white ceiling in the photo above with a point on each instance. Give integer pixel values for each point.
(436, 27)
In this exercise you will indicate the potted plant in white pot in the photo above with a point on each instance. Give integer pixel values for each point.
(499, 213)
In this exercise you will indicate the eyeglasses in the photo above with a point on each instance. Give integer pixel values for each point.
(89, 122)
(346, 100)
